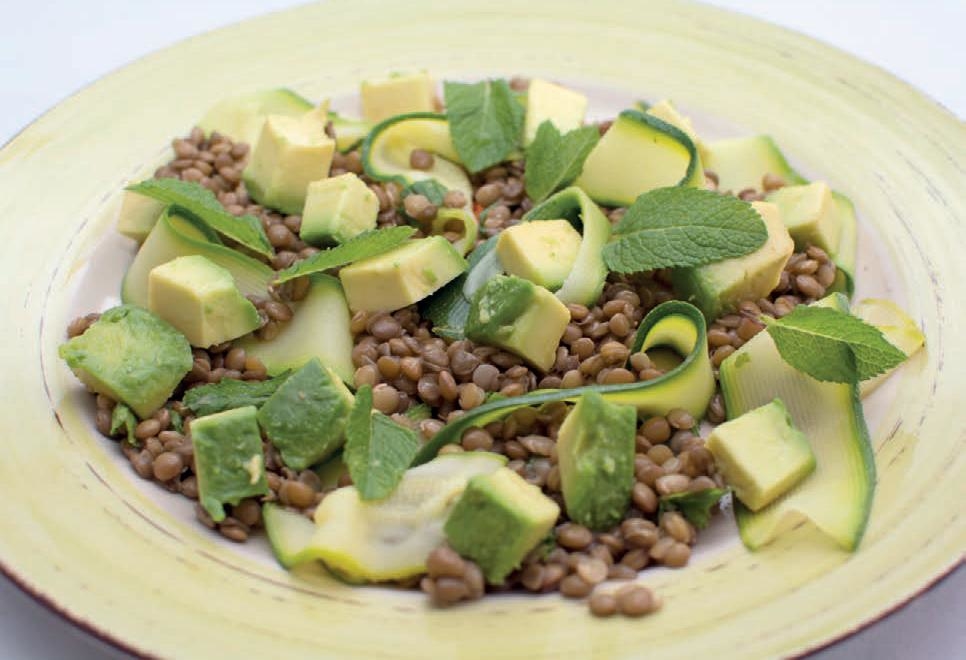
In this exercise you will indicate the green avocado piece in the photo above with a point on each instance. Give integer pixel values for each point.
(200, 298)
(811, 215)
(761, 454)
(498, 520)
(305, 418)
(596, 448)
(742, 163)
(229, 462)
(138, 215)
(402, 276)
(290, 153)
(130, 355)
(718, 288)
(241, 117)
(337, 209)
(518, 316)
(542, 252)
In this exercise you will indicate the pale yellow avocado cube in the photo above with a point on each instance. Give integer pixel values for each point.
(718, 287)
(338, 208)
(810, 214)
(199, 298)
(138, 215)
(564, 107)
(291, 153)
(761, 454)
(398, 94)
(541, 251)
(665, 111)
(402, 276)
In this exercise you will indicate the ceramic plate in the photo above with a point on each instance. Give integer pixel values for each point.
(129, 562)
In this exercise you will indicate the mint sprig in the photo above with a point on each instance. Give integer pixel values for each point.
(681, 227)
(432, 189)
(365, 245)
(200, 202)
(555, 159)
(830, 345)
(485, 121)
(695, 506)
(229, 394)
(377, 450)
(123, 417)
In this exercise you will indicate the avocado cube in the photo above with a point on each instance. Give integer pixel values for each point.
(397, 94)
(291, 153)
(229, 461)
(518, 316)
(402, 276)
(541, 251)
(138, 215)
(131, 356)
(200, 299)
(338, 208)
(547, 101)
(718, 287)
(595, 449)
(810, 214)
(498, 520)
(305, 418)
(761, 454)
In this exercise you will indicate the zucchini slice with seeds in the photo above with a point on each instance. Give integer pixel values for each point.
(837, 496)
(586, 279)
(674, 324)
(386, 150)
(178, 234)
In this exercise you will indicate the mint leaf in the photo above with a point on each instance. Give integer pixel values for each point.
(124, 418)
(365, 245)
(432, 189)
(419, 412)
(229, 394)
(554, 160)
(830, 345)
(200, 202)
(695, 506)
(671, 227)
(485, 121)
(449, 308)
(377, 450)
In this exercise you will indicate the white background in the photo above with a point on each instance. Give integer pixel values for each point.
(51, 48)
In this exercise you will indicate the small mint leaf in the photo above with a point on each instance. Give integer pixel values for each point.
(554, 160)
(200, 202)
(683, 227)
(695, 506)
(830, 345)
(365, 245)
(485, 121)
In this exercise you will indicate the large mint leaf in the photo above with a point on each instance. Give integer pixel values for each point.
(199, 201)
(674, 227)
(554, 160)
(229, 394)
(830, 345)
(363, 246)
(377, 450)
(485, 121)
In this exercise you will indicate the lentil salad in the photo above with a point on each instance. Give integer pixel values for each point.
(411, 368)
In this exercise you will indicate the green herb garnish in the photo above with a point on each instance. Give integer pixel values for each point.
(365, 245)
(124, 418)
(830, 345)
(554, 160)
(695, 506)
(485, 121)
(419, 412)
(200, 202)
(230, 393)
(432, 189)
(377, 450)
(672, 227)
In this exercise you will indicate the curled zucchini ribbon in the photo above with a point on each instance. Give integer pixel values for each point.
(690, 385)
